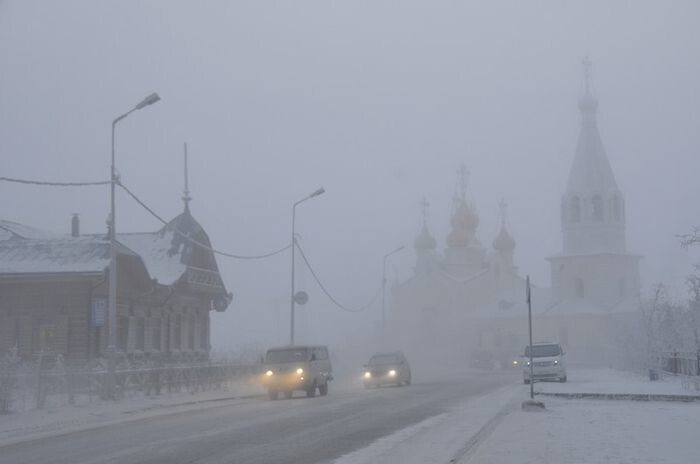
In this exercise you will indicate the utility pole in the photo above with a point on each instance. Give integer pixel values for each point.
(112, 320)
(292, 302)
(529, 322)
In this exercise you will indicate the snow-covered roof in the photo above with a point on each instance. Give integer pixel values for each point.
(163, 263)
(166, 254)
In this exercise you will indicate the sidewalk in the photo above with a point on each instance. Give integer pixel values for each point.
(37, 423)
(620, 382)
(599, 431)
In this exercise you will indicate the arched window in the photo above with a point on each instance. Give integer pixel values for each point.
(580, 291)
(575, 209)
(597, 202)
(617, 208)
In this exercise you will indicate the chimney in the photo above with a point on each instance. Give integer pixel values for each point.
(75, 225)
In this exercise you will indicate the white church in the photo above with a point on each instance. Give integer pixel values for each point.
(470, 299)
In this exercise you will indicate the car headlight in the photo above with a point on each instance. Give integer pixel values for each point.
(268, 373)
(392, 373)
(515, 363)
(556, 362)
(368, 375)
(528, 363)
(300, 371)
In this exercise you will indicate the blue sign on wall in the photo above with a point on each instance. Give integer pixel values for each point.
(99, 311)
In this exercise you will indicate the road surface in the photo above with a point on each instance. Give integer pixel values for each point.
(298, 430)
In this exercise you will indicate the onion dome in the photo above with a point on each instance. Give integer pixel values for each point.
(588, 104)
(465, 216)
(425, 241)
(504, 242)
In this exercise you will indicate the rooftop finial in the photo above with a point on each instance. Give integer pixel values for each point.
(186, 197)
(587, 64)
(424, 205)
(503, 206)
(462, 178)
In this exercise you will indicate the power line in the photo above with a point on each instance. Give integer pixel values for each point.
(54, 184)
(327, 293)
(195, 242)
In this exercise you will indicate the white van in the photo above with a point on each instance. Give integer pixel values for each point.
(548, 362)
(297, 367)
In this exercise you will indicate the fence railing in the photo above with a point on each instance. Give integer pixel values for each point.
(677, 362)
(33, 386)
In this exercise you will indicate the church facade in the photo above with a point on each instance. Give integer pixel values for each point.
(470, 300)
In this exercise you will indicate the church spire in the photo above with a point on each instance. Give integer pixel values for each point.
(425, 241)
(503, 241)
(590, 171)
(186, 198)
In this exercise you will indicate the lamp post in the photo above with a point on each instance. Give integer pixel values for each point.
(111, 343)
(294, 246)
(384, 286)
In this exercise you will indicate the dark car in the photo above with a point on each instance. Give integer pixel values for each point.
(387, 369)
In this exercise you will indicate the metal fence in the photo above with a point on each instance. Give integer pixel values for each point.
(34, 385)
(677, 362)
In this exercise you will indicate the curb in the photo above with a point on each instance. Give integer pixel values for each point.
(623, 396)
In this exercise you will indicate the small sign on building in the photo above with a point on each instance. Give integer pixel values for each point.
(99, 311)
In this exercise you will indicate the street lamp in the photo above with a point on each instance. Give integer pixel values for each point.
(294, 245)
(111, 344)
(384, 286)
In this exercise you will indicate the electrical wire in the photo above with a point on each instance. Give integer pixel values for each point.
(327, 293)
(54, 184)
(195, 242)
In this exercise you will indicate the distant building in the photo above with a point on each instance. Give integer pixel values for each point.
(471, 300)
(54, 289)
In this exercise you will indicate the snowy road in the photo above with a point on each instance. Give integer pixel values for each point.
(299, 430)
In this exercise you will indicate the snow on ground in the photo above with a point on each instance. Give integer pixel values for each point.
(614, 381)
(85, 414)
(493, 428)
(439, 438)
(587, 431)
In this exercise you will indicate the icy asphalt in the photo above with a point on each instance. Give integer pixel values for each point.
(299, 430)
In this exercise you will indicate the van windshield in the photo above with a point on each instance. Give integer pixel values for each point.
(541, 351)
(383, 359)
(287, 356)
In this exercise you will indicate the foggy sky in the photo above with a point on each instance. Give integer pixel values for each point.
(376, 101)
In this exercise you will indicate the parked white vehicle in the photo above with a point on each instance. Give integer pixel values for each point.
(548, 362)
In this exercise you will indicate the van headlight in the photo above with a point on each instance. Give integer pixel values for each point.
(515, 363)
(556, 362)
(300, 371)
(269, 373)
(528, 363)
(368, 375)
(392, 373)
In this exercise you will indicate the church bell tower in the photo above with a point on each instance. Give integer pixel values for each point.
(595, 265)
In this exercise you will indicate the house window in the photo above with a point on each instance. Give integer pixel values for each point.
(597, 202)
(44, 338)
(155, 333)
(190, 332)
(203, 330)
(580, 291)
(140, 333)
(122, 332)
(575, 209)
(177, 332)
